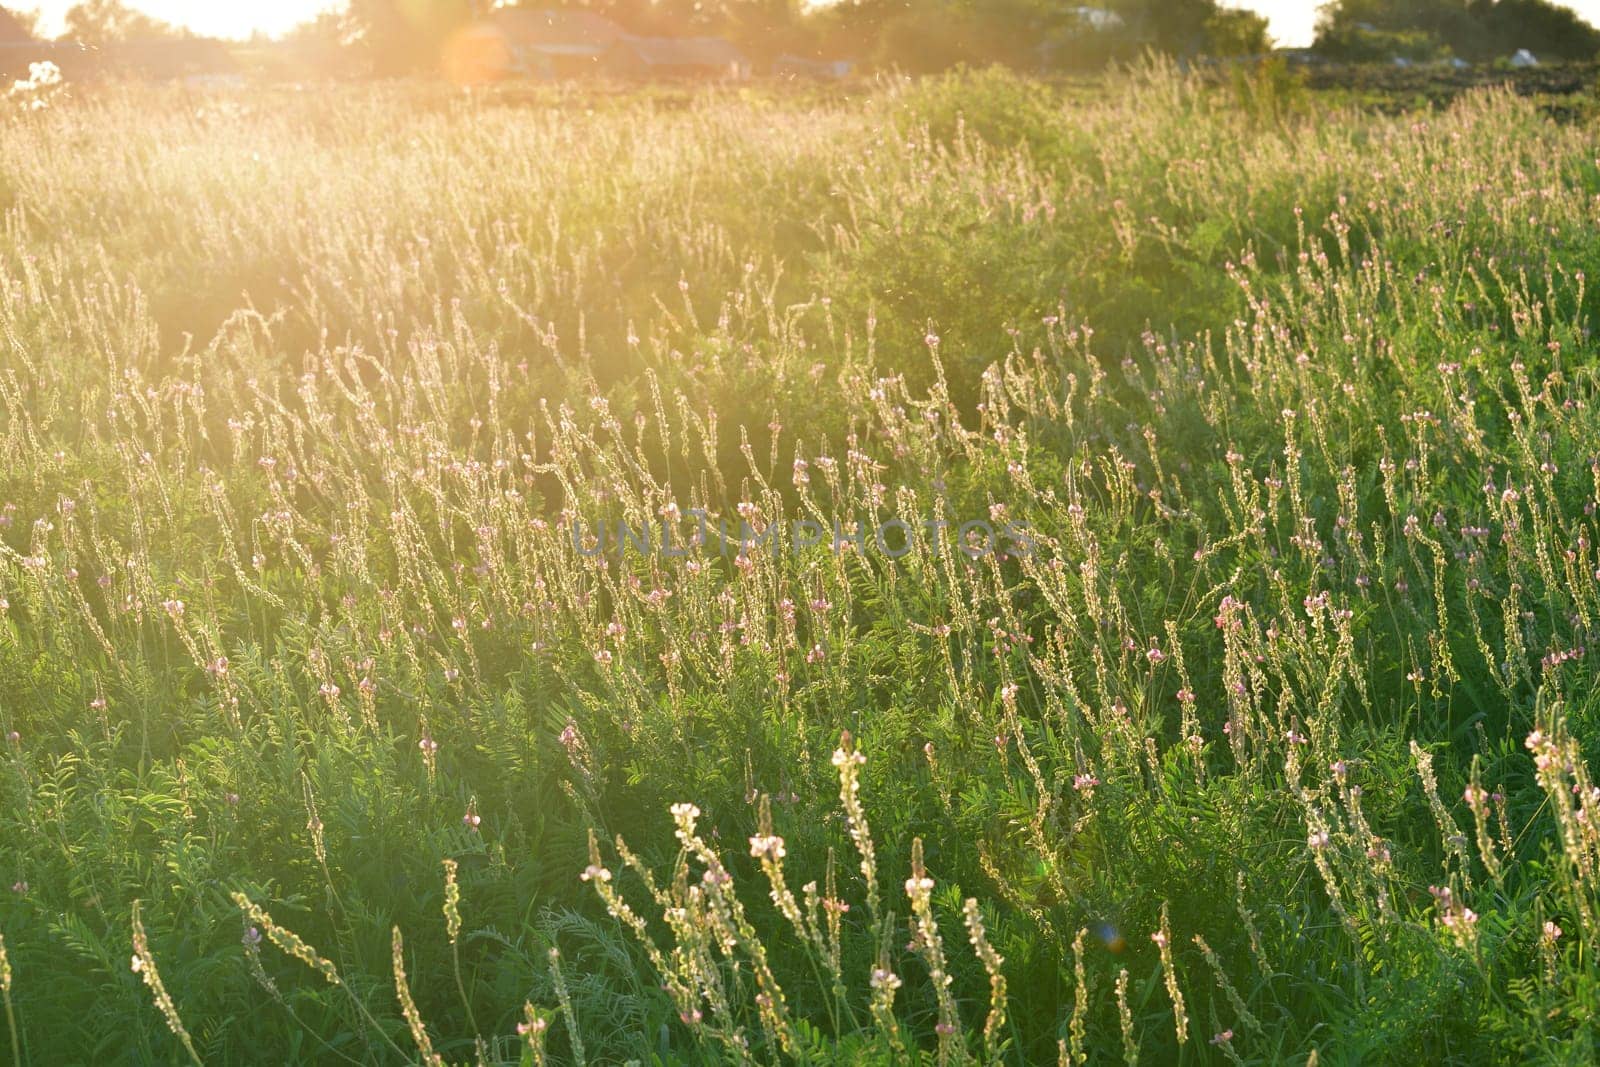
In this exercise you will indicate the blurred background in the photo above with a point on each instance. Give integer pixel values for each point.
(478, 41)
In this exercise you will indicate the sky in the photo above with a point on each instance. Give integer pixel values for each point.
(212, 18)
(1291, 20)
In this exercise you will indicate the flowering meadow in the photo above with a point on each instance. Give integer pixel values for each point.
(349, 719)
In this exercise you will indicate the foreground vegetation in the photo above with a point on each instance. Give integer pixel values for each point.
(326, 741)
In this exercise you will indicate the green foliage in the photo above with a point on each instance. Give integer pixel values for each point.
(1272, 741)
(1476, 29)
(99, 23)
(1233, 32)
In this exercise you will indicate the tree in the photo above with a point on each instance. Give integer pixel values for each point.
(102, 22)
(1232, 32)
(1447, 21)
(1544, 28)
(1476, 29)
(407, 36)
(18, 25)
(769, 28)
(323, 45)
(1175, 26)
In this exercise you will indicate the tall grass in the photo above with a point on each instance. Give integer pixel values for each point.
(1275, 746)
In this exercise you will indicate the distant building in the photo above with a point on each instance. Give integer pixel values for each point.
(518, 42)
(788, 66)
(551, 44)
(1097, 18)
(706, 58)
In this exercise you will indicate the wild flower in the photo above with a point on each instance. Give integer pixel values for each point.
(408, 1006)
(1163, 942)
(144, 965)
(39, 89)
(532, 1030)
(767, 846)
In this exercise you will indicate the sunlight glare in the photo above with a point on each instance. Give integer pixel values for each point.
(236, 19)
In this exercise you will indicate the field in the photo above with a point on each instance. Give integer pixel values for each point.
(1152, 623)
(1565, 91)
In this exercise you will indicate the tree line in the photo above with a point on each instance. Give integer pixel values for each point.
(400, 36)
(1475, 30)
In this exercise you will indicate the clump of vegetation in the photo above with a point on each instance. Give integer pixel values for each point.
(331, 733)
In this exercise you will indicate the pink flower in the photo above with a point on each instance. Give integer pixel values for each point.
(767, 845)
